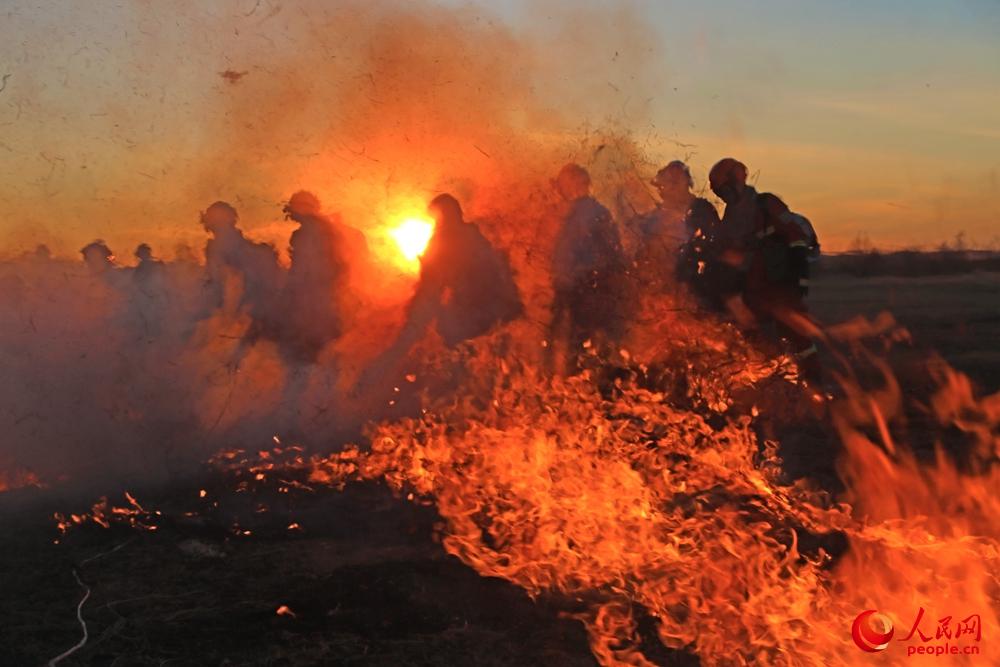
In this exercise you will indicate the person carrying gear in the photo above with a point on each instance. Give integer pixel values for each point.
(144, 253)
(466, 286)
(149, 294)
(149, 274)
(763, 242)
(354, 243)
(102, 270)
(675, 238)
(465, 282)
(588, 268)
(229, 254)
(148, 266)
(317, 280)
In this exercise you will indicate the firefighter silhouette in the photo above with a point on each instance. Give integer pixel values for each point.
(466, 288)
(674, 239)
(767, 248)
(588, 270)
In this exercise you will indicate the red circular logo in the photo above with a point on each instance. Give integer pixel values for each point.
(872, 631)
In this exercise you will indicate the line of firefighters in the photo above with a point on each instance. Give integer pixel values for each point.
(752, 264)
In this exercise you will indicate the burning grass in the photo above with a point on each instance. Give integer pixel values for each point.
(647, 499)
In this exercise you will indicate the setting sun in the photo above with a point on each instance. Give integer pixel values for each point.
(412, 236)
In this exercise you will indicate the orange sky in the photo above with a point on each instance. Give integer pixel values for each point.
(116, 123)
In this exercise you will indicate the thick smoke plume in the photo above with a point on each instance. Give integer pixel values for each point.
(139, 373)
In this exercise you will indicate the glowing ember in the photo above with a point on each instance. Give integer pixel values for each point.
(17, 479)
(412, 236)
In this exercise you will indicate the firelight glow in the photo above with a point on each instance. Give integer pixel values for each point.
(412, 235)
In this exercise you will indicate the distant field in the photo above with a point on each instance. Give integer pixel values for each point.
(959, 315)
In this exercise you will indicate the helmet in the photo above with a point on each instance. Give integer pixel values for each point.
(98, 250)
(727, 171)
(97, 256)
(673, 171)
(445, 207)
(303, 202)
(218, 215)
(143, 252)
(572, 181)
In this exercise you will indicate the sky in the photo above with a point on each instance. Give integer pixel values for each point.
(879, 119)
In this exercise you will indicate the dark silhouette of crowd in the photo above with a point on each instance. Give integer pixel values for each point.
(751, 264)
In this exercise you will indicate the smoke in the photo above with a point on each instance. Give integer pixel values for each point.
(128, 121)
(375, 107)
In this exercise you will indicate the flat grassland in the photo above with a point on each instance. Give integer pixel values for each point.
(957, 316)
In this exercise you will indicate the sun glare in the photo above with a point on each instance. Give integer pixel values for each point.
(412, 235)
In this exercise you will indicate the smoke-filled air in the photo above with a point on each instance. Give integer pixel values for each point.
(372, 109)
(418, 333)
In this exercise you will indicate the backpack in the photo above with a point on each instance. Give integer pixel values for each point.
(775, 254)
(810, 233)
(488, 269)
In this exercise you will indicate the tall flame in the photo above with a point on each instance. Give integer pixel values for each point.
(643, 504)
(646, 499)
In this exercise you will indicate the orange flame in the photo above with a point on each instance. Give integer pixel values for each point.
(641, 503)
(653, 507)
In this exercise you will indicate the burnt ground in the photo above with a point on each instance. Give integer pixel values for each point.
(366, 580)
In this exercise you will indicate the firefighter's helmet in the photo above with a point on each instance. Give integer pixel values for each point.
(572, 181)
(219, 215)
(303, 202)
(445, 207)
(727, 171)
(674, 171)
